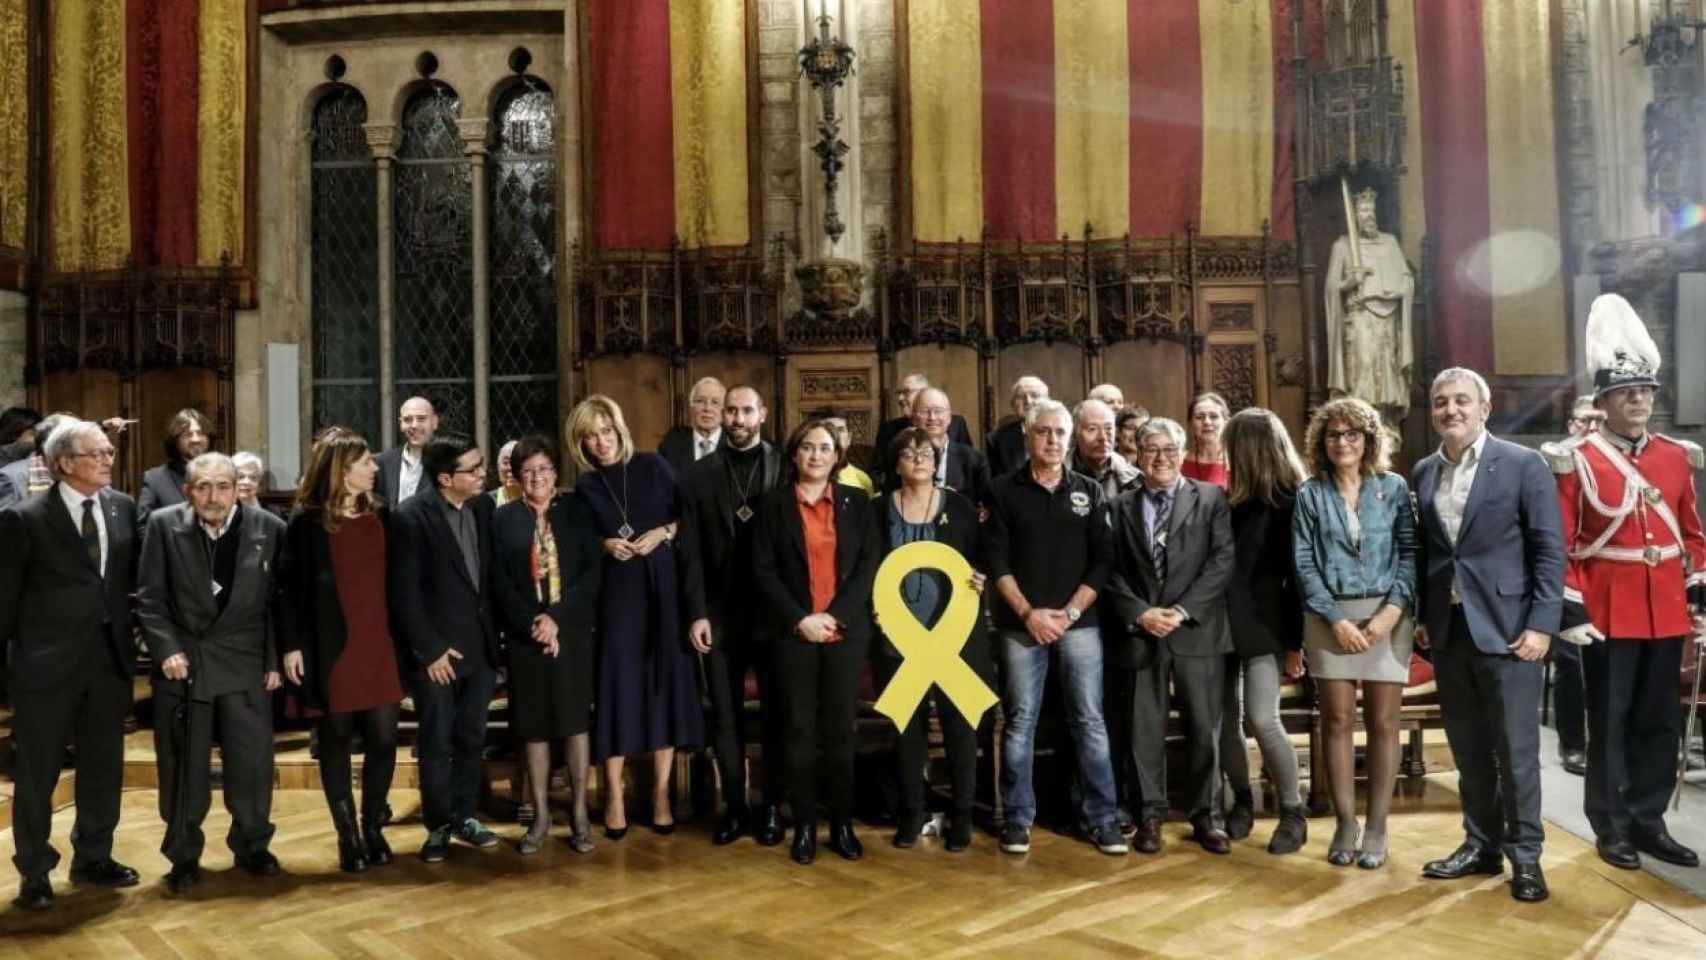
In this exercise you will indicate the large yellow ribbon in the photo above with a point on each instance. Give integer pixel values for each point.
(931, 654)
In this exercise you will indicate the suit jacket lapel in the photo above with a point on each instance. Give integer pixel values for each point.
(1183, 503)
(435, 516)
(790, 508)
(59, 515)
(1478, 489)
(847, 519)
(1427, 486)
(1139, 532)
(191, 544)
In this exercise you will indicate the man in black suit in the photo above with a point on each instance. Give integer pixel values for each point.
(1490, 597)
(1174, 557)
(441, 611)
(1005, 445)
(205, 602)
(719, 503)
(66, 575)
(910, 387)
(400, 474)
(187, 436)
(703, 435)
(959, 466)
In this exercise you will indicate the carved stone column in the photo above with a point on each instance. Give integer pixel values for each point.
(570, 213)
(382, 139)
(474, 131)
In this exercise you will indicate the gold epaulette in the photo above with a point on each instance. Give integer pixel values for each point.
(1696, 456)
(1561, 454)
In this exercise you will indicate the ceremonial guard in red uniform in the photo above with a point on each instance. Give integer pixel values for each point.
(1634, 588)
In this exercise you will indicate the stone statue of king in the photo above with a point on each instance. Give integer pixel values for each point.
(1368, 297)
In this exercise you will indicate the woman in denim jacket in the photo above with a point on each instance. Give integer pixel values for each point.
(1354, 546)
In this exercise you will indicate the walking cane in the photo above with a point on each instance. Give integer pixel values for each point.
(1699, 641)
(181, 733)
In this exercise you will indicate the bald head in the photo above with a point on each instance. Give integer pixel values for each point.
(1110, 395)
(743, 416)
(1027, 390)
(907, 391)
(418, 421)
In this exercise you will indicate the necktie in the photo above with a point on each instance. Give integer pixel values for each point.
(1163, 507)
(704, 449)
(91, 535)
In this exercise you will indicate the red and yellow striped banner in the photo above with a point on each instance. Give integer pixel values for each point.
(147, 133)
(14, 123)
(668, 123)
(1126, 116)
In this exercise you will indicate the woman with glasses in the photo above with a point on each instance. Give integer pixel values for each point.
(814, 554)
(1354, 549)
(921, 511)
(648, 689)
(546, 554)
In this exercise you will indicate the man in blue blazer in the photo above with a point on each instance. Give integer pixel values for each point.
(1490, 596)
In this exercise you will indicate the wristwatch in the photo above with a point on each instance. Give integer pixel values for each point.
(1072, 614)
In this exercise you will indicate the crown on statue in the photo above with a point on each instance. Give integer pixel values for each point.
(1367, 195)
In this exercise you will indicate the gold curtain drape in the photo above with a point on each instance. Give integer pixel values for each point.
(221, 124)
(707, 42)
(88, 192)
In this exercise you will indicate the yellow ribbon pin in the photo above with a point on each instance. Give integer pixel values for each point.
(931, 654)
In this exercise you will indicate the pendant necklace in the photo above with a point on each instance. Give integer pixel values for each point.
(626, 530)
(908, 593)
(744, 513)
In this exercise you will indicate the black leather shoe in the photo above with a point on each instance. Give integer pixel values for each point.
(844, 841)
(373, 841)
(1148, 838)
(768, 831)
(262, 864)
(729, 830)
(106, 873)
(1660, 845)
(1211, 836)
(907, 830)
(182, 877)
(35, 894)
(1528, 884)
(1240, 820)
(1466, 860)
(1618, 852)
(959, 833)
(1575, 761)
(805, 844)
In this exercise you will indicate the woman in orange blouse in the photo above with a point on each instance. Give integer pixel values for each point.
(815, 554)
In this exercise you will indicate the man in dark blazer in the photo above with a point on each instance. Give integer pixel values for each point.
(907, 392)
(440, 604)
(1174, 558)
(400, 473)
(1490, 598)
(187, 437)
(703, 434)
(719, 506)
(205, 602)
(1005, 445)
(959, 466)
(66, 576)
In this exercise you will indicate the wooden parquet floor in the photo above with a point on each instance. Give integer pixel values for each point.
(677, 896)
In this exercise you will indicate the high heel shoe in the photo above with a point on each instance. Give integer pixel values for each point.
(614, 833)
(1371, 855)
(1342, 852)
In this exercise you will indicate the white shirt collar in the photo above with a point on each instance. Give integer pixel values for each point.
(230, 518)
(1473, 453)
(710, 438)
(411, 461)
(74, 501)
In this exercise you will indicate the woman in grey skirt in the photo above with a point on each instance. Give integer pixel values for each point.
(1354, 547)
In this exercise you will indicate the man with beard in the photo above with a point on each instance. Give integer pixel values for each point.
(186, 438)
(720, 497)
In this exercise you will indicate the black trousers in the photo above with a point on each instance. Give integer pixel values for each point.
(452, 738)
(1634, 725)
(1117, 713)
(88, 708)
(378, 728)
(1198, 682)
(183, 748)
(726, 668)
(1569, 695)
(820, 684)
(1491, 707)
(912, 750)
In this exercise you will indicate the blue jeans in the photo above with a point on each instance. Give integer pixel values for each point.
(1025, 667)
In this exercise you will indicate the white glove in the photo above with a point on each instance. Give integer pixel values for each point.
(1581, 635)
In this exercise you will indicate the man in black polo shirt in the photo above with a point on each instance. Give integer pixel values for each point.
(1048, 552)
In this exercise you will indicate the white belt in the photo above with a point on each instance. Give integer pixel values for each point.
(1651, 556)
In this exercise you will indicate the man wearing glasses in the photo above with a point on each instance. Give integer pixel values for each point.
(1173, 559)
(66, 577)
(440, 565)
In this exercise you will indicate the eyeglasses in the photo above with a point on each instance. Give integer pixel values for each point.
(1344, 436)
(1171, 453)
(479, 467)
(107, 454)
(538, 473)
(918, 456)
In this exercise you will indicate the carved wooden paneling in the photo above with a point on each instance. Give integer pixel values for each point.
(840, 384)
(1232, 373)
(1231, 316)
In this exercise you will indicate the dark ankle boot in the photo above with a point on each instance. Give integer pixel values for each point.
(351, 857)
(373, 841)
(805, 843)
(1291, 833)
(1242, 817)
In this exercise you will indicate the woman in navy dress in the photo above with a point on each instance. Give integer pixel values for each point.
(647, 697)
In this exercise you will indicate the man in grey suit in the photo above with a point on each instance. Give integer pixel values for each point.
(1490, 596)
(205, 602)
(1173, 559)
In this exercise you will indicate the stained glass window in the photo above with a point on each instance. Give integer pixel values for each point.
(432, 265)
(521, 181)
(344, 262)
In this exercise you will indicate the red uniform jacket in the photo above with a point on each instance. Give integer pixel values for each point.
(1632, 570)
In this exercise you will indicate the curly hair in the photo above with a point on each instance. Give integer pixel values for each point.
(1358, 415)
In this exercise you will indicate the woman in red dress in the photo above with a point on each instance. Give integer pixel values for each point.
(1206, 460)
(336, 635)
